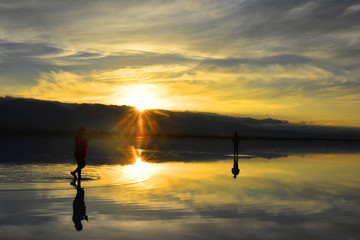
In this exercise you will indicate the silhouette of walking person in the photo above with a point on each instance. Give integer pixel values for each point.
(235, 170)
(236, 140)
(81, 147)
(79, 207)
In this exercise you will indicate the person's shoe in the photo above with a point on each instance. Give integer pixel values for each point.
(73, 182)
(74, 174)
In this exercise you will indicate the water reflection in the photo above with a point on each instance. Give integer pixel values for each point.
(236, 140)
(139, 171)
(79, 207)
(309, 197)
(188, 194)
(235, 170)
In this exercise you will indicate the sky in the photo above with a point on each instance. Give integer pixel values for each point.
(293, 60)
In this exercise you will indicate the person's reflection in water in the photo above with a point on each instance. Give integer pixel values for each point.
(79, 208)
(235, 170)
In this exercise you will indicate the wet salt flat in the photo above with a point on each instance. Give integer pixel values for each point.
(181, 189)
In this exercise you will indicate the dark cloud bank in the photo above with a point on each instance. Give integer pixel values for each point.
(29, 116)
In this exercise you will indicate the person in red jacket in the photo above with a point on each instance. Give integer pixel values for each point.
(81, 148)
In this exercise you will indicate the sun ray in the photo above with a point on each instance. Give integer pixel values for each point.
(140, 123)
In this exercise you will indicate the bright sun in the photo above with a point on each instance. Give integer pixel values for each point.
(142, 97)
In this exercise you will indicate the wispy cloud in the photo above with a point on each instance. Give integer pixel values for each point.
(232, 53)
(353, 9)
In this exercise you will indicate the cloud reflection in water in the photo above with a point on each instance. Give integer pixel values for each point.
(297, 196)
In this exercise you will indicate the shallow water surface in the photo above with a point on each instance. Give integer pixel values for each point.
(182, 189)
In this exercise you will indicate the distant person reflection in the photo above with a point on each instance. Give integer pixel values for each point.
(236, 140)
(79, 208)
(235, 170)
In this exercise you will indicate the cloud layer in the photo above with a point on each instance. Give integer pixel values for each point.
(292, 59)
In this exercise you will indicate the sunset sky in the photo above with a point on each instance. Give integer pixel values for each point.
(285, 59)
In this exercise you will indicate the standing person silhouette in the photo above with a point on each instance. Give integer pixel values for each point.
(81, 147)
(236, 140)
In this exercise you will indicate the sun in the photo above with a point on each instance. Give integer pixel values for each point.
(142, 97)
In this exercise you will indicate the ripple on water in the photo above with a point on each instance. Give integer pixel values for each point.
(57, 176)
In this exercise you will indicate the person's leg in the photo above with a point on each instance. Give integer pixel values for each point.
(74, 172)
(234, 152)
(78, 183)
(237, 152)
(81, 165)
(77, 169)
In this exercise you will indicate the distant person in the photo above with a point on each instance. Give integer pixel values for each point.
(235, 170)
(236, 140)
(81, 148)
(79, 207)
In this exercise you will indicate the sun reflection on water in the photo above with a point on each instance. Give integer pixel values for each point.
(136, 172)
(139, 171)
